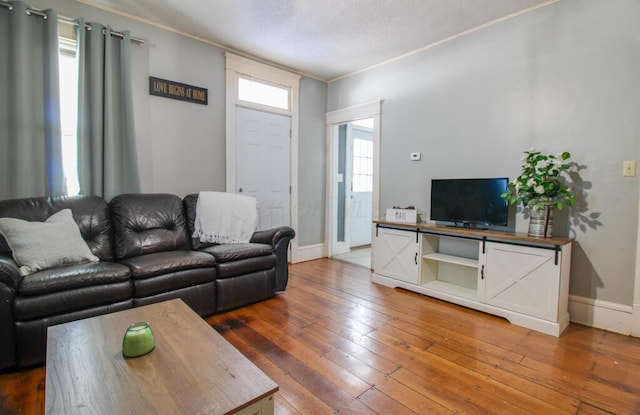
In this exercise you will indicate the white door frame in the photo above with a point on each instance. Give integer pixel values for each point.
(635, 311)
(334, 118)
(237, 66)
(348, 190)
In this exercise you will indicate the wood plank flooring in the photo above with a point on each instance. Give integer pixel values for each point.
(337, 344)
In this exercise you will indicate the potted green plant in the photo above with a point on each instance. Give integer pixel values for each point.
(541, 188)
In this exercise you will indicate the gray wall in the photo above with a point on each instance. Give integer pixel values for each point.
(562, 78)
(181, 146)
(311, 162)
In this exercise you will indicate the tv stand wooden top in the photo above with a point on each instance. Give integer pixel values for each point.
(475, 233)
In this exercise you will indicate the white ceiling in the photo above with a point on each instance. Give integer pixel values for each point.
(325, 39)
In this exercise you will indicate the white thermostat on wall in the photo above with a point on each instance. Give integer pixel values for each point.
(415, 156)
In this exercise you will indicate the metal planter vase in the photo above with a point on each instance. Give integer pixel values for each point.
(541, 222)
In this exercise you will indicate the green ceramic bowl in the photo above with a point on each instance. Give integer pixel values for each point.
(138, 340)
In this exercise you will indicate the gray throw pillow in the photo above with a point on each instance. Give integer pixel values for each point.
(40, 245)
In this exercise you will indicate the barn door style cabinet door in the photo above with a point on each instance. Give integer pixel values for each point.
(396, 255)
(522, 279)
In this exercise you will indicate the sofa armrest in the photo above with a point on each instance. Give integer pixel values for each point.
(9, 273)
(9, 280)
(272, 236)
(279, 239)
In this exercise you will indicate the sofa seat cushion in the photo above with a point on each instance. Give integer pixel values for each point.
(63, 302)
(235, 252)
(73, 277)
(150, 265)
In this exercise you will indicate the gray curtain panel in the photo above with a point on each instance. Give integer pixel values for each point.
(30, 132)
(107, 162)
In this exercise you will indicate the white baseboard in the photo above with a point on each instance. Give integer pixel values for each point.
(601, 314)
(308, 253)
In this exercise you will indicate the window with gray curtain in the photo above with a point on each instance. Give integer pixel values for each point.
(30, 131)
(107, 162)
(30, 146)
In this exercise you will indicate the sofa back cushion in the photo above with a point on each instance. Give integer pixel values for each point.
(190, 205)
(91, 213)
(148, 223)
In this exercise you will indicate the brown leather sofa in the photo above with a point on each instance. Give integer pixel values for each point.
(146, 255)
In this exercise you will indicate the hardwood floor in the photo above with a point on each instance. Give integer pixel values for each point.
(337, 344)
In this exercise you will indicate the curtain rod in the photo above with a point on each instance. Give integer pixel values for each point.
(68, 20)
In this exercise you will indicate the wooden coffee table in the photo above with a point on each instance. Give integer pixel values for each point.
(192, 370)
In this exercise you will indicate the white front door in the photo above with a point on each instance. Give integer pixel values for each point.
(263, 164)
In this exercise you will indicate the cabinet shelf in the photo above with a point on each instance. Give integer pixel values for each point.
(452, 289)
(452, 259)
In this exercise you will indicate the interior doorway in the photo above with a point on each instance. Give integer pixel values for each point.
(352, 193)
(355, 184)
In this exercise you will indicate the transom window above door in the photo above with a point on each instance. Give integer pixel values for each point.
(262, 93)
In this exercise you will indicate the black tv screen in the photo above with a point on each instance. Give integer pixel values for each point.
(469, 201)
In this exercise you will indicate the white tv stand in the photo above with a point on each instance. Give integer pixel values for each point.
(522, 279)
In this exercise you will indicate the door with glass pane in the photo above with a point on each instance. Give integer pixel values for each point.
(360, 185)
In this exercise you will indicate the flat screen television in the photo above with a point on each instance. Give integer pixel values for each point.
(470, 202)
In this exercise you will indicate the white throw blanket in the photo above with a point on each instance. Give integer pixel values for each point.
(225, 217)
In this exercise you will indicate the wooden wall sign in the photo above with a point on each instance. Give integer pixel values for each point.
(177, 90)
